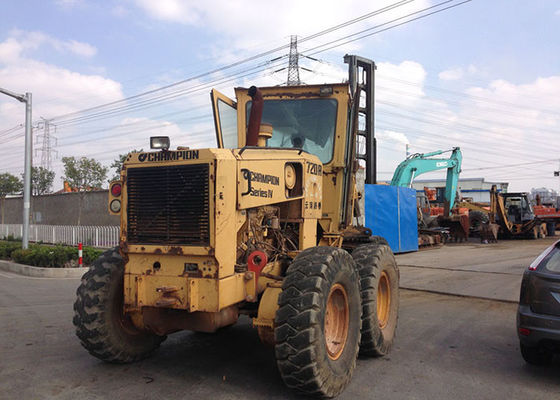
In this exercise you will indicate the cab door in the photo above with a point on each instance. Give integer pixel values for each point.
(225, 120)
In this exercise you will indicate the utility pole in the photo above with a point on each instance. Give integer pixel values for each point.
(27, 99)
(293, 61)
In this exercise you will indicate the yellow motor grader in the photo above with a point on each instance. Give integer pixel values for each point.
(265, 225)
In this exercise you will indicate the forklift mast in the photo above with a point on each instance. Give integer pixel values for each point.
(361, 145)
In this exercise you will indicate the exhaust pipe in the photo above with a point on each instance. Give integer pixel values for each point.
(255, 117)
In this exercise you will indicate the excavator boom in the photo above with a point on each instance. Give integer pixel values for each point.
(417, 164)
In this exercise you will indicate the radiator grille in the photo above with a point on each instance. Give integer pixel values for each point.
(169, 205)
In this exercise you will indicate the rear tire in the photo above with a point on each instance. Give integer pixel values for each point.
(102, 328)
(535, 355)
(379, 289)
(318, 322)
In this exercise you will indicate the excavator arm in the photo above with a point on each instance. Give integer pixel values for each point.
(417, 164)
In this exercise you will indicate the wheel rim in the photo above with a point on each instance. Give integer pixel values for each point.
(336, 321)
(383, 300)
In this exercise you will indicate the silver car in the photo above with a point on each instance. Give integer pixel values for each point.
(538, 316)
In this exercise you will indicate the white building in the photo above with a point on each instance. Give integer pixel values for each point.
(476, 188)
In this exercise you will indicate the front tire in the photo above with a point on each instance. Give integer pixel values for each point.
(379, 289)
(318, 322)
(104, 331)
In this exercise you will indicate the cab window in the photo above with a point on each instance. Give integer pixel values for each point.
(228, 124)
(307, 124)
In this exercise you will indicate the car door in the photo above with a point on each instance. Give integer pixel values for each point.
(225, 120)
(545, 284)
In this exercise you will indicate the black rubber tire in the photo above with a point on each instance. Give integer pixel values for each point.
(374, 239)
(372, 260)
(535, 355)
(301, 350)
(102, 329)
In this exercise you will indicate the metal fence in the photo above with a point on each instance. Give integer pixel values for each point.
(96, 236)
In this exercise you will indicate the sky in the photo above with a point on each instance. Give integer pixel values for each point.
(483, 75)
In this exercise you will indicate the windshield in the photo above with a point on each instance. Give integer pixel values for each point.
(307, 124)
(517, 202)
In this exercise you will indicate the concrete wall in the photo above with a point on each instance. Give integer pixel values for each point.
(62, 209)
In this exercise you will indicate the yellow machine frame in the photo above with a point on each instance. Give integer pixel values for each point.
(215, 285)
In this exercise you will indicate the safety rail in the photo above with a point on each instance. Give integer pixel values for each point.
(96, 236)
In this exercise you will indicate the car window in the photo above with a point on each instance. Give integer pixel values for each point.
(551, 262)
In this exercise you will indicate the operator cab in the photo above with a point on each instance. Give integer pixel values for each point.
(518, 208)
(308, 121)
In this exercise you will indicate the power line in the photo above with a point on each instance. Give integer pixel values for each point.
(168, 96)
(387, 28)
(513, 165)
(240, 62)
(11, 130)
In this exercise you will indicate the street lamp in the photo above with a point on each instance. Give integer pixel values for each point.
(25, 98)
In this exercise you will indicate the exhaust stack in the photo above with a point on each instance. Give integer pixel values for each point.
(255, 117)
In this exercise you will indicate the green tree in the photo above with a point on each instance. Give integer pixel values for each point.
(41, 180)
(118, 164)
(9, 184)
(83, 174)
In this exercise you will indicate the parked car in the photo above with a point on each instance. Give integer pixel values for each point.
(538, 316)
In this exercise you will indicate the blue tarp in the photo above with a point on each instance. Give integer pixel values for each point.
(390, 212)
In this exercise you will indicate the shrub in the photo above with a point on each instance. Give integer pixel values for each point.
(6, 249)
(22, 256)
(57, 256)
(91, 254)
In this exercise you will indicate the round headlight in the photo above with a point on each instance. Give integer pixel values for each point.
(116, 189)
(115, 206)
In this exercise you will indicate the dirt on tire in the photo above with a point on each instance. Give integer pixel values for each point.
(304, 360)
(102, 328)
(376, 262)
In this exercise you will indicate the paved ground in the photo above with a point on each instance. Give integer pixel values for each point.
(448, 347)
(491, 271)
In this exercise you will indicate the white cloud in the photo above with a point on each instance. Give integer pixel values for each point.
(454, 74)
(10, 50)
(80, 48)
(392, 136)
(173, 10)
(471, 69)
(505, 123)
(451, 74)
(55, 90)
(557, 12)
(400, 83)
(246, 23)
(21, 42)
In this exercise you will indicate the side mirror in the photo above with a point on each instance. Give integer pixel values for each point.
(159, 142)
